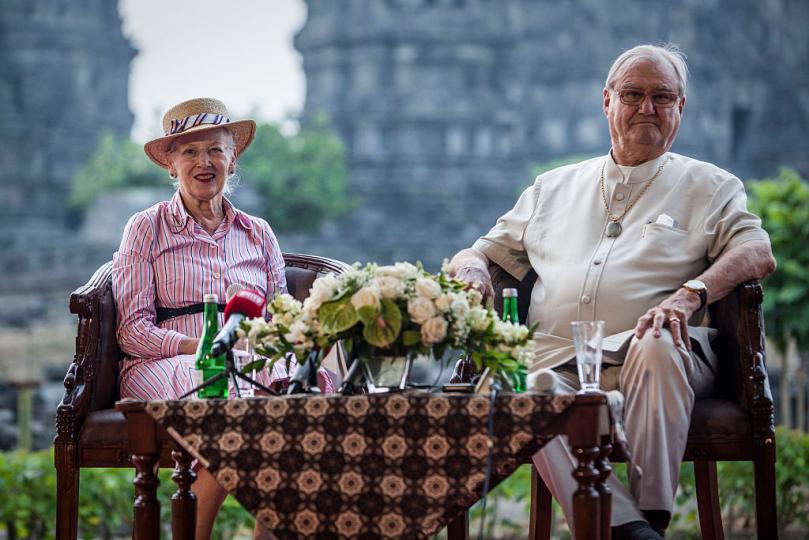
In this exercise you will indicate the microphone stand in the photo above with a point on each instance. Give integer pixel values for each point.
(230, 371)
(304, 380)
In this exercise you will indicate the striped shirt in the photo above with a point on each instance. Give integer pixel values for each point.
(167, 259)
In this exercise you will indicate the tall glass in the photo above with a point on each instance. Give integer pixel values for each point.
(587, 338)
(242, 356)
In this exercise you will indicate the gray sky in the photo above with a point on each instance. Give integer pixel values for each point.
(240, 52)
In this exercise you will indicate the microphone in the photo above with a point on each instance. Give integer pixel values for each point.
(233, 290)
(245, 304)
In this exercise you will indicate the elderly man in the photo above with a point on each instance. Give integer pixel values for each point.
(644, 239)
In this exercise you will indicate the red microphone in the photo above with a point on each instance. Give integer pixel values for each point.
(245, 304)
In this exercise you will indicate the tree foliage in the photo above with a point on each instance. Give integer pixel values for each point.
(783, 205)
(116, 163)
(301, 178)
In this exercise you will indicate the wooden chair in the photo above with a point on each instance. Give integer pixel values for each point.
(89, 432)
(736, 424)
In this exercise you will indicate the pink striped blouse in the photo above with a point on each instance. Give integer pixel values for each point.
(167, 259)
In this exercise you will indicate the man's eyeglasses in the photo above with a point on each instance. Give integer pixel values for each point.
(634, 98)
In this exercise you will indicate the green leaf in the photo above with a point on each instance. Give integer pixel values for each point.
(385, 328)
(411, 338)
(367, 314)
(338, 315)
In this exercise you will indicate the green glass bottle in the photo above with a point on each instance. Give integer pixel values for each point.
(206, 365)
(510, 313)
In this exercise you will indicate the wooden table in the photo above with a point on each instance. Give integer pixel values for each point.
(403, 465)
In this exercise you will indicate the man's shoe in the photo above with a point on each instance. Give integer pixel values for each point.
(635, 530)
(658, 519)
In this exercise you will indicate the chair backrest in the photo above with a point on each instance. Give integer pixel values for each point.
(93, 378)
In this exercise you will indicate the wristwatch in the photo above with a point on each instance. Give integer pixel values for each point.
(696, 286)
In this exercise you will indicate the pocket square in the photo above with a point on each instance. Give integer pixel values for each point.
(665, 219)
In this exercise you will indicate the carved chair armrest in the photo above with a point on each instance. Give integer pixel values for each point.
(86, 303)
(742, 353)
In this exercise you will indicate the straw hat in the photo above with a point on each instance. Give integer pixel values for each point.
(198, 114)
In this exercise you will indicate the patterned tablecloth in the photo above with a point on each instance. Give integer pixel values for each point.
(370, 466)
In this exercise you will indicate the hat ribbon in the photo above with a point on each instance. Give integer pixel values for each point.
(181, 124)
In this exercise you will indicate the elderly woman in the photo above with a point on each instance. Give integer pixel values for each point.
(179, 250)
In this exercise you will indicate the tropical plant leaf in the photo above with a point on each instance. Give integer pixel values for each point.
(338, 315)
(385, 328)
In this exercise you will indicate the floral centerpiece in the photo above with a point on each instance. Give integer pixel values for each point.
(389, 311)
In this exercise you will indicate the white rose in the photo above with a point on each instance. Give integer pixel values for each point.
(433, 331)
(444, 302)
(420, 309)
(460, 305)
(366, 297)
(391, 271)
(325, 287)
(407, 270)
(478, 319)
(428, 288)
(390, 287)
(400, 270)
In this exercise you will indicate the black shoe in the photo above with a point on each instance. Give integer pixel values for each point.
(658, 519)
(635, 530)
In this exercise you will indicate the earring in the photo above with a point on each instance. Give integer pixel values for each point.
(172, 176)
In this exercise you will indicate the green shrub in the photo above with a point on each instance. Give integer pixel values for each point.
(27, 494)
(783, 205)
(28, 501)
(116, 163)
(736, 493)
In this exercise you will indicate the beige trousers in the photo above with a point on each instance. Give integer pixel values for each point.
(660, 383)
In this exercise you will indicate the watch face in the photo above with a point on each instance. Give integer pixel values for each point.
(695, 284)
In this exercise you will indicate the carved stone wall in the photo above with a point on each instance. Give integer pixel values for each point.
(64, 79)
(445, 105)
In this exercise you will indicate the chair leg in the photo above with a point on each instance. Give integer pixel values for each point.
(67, 489)
(539, 524)
(458, 528)
(764, 466)
(710, 516)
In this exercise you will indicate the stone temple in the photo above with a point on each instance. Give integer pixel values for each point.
(64, 77)
(446, 106)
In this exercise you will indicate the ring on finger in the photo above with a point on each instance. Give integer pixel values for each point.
(674, 320)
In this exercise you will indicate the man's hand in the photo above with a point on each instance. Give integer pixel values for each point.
(673, 312)
(472, 266)
(478, 278)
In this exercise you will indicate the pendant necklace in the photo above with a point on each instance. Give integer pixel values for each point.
(614, 226)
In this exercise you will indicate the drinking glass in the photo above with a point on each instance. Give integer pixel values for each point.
(243, 355)
(587, 338)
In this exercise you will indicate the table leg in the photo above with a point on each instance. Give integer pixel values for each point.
(604, 470)
(586, 499)
(184, 501)
(147, 507)
(458, 528)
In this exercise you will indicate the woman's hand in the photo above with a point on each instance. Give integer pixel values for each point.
(188, 345)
